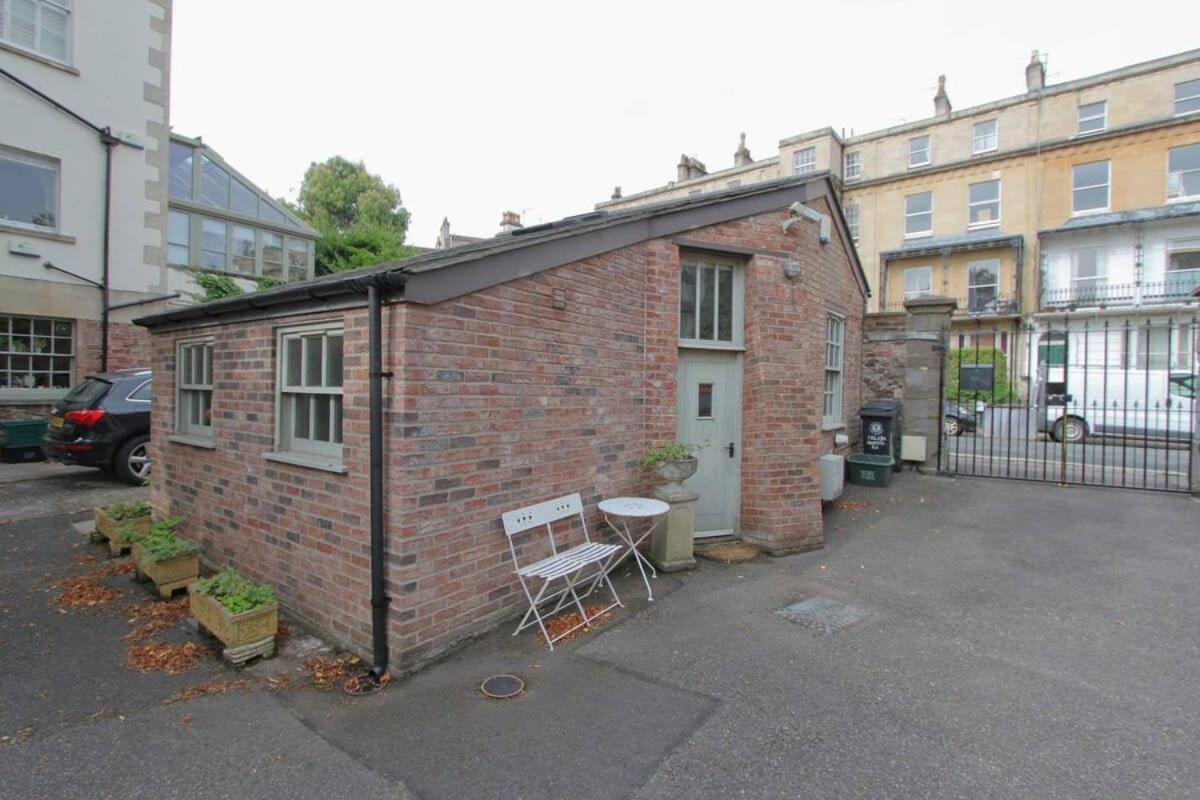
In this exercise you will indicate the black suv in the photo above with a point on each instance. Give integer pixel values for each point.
(104, 422)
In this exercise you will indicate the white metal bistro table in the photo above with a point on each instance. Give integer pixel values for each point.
(618, 511)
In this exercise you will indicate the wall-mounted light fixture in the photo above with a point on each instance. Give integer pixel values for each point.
(791, 269)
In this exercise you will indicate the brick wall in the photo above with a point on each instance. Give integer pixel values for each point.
(500, 400)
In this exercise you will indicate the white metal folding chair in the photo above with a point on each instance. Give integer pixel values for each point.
(568, 567)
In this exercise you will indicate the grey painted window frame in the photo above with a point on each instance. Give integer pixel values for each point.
(288, 447)
(6, 348)
(46, 162)
(195, 243)
(188, 391)
(737, 321)
(833, 400)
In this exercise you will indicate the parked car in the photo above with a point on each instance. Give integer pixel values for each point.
(104, 422)
(956, 420)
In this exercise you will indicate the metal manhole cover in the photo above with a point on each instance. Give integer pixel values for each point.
(502, 687)
(822, 615)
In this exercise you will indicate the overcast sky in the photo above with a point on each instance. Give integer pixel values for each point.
(541, 108)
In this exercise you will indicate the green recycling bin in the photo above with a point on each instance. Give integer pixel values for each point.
(21, 440)
(868, 469)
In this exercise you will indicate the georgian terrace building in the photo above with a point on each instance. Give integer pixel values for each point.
(993, 205)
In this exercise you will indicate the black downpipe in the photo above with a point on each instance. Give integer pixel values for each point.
(109, 141)
(379, 599)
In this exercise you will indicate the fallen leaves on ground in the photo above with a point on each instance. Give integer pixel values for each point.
(20, 736)
(854, 505)
(277, 683)
(84, 591)
(158, 617)
(324, 672)
(169, 658)
(218, 686)
(365, 684)
(282, 632)
(83, 558)
(571, 619)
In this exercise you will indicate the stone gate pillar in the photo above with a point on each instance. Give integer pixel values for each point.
(927, 327)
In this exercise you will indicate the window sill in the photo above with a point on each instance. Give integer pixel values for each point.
(303, 460)
(918, 166)
(700, 344)
(1090, 212)
(32, 397)
(192, 441)
(1191, 198)
(827, 427)
(38, 57)
(34, 233)
(983, 226)
(987, 152)
(923, 235)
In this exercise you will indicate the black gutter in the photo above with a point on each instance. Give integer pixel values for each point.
(375, 286)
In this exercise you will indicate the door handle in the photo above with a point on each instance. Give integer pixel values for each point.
(729, 447)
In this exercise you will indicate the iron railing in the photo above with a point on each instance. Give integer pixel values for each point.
(977, 303)
(1177, 287)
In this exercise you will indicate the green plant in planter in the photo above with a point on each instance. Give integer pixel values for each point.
(161, 544)
(164, 527)
(235, 593)
(668, 452)
(120, 512)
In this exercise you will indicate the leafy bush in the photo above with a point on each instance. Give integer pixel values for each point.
(235, 593)
(128, 536)
(161, 543)
(1002, 393)
(267, 282)
(123, 511)
(216, 287)
(668, 452)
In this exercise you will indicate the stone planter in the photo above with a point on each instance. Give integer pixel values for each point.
(111, 529)
(169, 574)
(245, 635)
(672, 539)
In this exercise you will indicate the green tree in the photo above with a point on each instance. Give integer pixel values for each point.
(360, 217)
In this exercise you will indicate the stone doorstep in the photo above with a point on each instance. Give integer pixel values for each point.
(732, 551)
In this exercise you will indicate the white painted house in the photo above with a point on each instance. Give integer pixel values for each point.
(104, 214)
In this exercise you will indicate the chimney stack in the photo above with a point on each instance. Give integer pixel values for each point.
(941, 100)
(616, 195)
(444, 235)
(689, 168)
(510, 221)
(742, 157)
(1035, 74)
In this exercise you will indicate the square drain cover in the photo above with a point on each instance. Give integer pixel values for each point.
(822, 615)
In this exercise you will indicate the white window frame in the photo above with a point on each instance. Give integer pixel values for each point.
(191, 394)
(1194, 97)
(1180, 246)
(40, 162)
(994, 264)
(804, 161)
(972, 205)
(1094, 283)
(927, 151)
(1107, 188)
(852, 212)
(907, 214)
(12, 356)
(1080, 118)
(62, 6)
(914, 294)
(977, 138)
(701, 262)
(1180, 198)
(854, 160)
(832, 412)
(288, 445)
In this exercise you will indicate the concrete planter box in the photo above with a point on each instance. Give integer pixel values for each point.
(169, 574)
(111, 529)
(245, 635)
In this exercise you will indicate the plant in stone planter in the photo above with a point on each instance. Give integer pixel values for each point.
(244, 615)
(113, 520)
(171, 562)
(673, 463)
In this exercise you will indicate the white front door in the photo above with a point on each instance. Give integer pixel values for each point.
(709, 406)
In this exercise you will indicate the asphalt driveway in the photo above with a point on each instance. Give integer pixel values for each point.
(966, 638)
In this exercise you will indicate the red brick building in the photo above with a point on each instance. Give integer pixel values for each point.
(535, 364)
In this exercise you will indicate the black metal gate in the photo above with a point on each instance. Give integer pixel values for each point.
(1100, 401)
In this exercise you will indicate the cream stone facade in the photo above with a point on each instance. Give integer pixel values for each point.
(981, 184)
